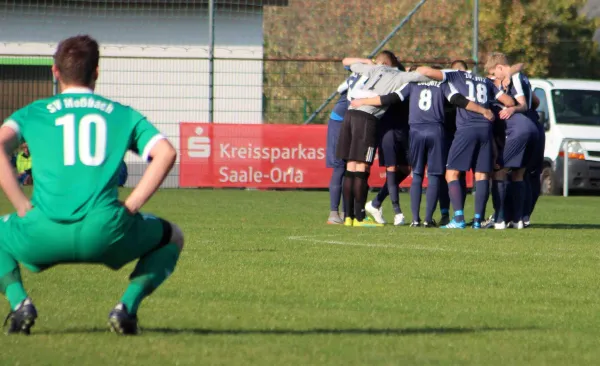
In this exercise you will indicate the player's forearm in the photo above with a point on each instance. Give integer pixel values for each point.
(506, 100)
(412, 77)
(9, 183)
(153, 177)
(474, 107)
(521, 106)
(348, 61)
(375, 101)
(430, 73)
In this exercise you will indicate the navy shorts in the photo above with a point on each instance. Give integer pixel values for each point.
(472, 149)
(521, 142)
(333, 134)
(427, 148)
(393, 147)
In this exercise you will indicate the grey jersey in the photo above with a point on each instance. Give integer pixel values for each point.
(380, 80)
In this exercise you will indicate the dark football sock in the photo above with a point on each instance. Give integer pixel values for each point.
(335, 188)
(361, 190)
(433, 192)
(444, 197)
(456, 197)
(416, 191)
(347, 188)
(392, 185)
(482, 194)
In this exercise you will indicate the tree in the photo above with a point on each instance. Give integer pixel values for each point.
(552, 36)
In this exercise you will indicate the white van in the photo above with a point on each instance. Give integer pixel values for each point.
(570, 109)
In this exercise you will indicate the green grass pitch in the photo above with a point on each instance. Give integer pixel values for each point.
(264, 281)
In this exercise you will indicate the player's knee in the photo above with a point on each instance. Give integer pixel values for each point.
(452, 175)
(361, 167)
(481, 176)
(177, 236)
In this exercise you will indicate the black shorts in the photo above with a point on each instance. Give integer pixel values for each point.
(358, 137)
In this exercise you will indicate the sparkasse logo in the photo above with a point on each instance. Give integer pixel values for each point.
(198, 146)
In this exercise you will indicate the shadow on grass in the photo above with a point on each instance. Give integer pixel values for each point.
(566, 226)
(257, 250)
(298, 332)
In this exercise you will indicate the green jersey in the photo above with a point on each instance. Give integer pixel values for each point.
(77, 142)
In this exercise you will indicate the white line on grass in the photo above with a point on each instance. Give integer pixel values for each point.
(321, 239)
(314, 239)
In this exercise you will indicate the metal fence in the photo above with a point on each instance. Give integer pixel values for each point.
(221, 61)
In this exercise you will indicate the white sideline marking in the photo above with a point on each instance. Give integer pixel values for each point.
(313, 239)
(319, 239)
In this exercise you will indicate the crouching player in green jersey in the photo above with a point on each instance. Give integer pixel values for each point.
(77, 141)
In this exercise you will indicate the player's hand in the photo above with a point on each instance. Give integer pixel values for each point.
(505, 83)
(131, 209)
(506, 113)
(356, 102)
(489, 115)
(24, 208)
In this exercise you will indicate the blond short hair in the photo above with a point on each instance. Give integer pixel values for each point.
(494, 59)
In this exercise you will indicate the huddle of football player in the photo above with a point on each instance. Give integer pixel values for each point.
(436, 124)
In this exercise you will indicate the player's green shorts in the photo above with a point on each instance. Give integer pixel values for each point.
(108, 235)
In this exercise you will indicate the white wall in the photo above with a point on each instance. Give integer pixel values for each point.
(154, 62)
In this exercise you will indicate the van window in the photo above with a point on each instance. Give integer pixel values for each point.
(543, 107)
(541, 94)
(577, 107)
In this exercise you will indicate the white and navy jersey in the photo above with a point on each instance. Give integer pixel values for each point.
(426, 101)
(520, 87)
(475, 88)
(342, 104)
(379, 80)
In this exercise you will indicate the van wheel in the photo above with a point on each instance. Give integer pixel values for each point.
(549, 185)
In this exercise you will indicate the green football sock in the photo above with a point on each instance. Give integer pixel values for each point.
(15, 293)
(10, 283)
(150, 271)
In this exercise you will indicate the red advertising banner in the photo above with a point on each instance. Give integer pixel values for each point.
(258, 156)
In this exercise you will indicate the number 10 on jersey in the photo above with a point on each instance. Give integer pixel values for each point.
(82, 138)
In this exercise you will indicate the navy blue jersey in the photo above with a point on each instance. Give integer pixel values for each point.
(426, 101)
(520, 87)
(396, 117)
(341, 106)
(475, 88)
(449, 119)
